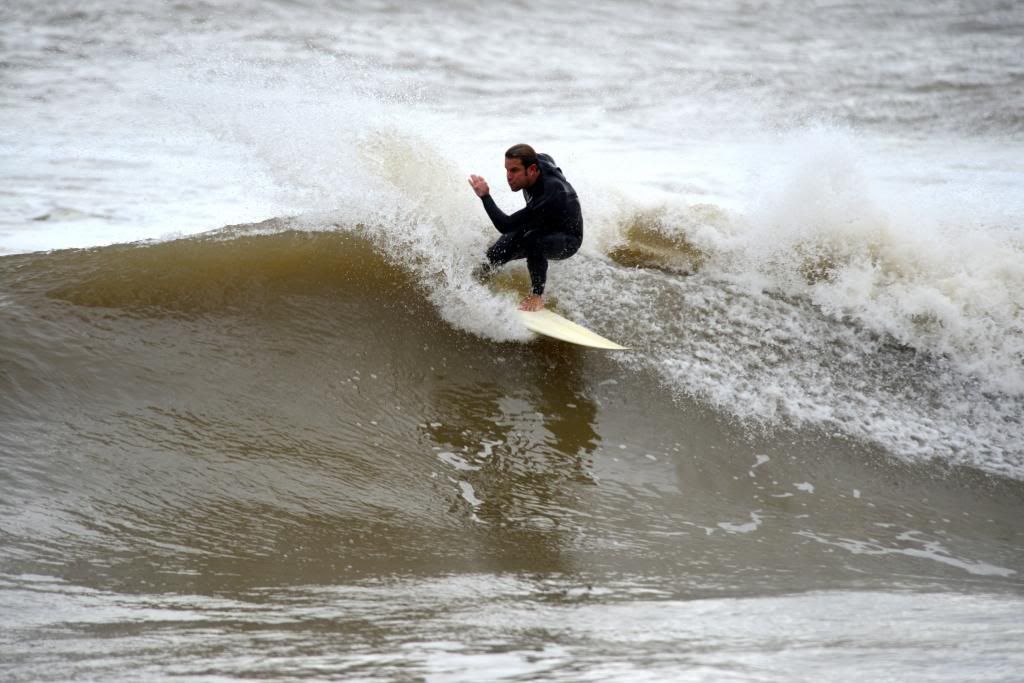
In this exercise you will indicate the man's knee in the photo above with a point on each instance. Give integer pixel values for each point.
(558, 246)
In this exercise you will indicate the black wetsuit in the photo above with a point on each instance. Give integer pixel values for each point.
(550, 227)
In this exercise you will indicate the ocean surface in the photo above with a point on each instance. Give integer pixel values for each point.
(259, 423)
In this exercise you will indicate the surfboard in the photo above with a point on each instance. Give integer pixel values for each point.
(550, 324)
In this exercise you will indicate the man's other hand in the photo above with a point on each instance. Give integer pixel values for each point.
(479, 185)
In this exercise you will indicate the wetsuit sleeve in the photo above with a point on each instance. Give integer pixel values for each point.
(524, 218)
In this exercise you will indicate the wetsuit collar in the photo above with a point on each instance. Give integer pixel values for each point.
(537, 189)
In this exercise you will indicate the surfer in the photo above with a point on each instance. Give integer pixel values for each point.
(549, 227)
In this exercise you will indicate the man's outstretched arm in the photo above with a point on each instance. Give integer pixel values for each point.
(504, 223)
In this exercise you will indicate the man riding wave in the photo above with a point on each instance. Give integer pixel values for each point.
(550, 226)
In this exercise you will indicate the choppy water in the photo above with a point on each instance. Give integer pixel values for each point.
(309, 446)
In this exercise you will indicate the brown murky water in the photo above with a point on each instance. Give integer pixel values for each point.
(220, 463)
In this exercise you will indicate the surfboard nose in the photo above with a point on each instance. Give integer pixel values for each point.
(550, 324)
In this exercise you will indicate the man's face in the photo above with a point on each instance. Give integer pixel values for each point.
(519, 177)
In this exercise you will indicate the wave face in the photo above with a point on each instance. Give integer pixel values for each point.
(247, 432)
(856, 330)
(789, 260)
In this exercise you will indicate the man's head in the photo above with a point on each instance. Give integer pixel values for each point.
(521, 169)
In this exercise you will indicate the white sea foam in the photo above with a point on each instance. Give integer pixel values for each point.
(913, 546)
(821, 227)
(744, 528)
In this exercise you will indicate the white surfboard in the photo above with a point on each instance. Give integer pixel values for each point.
(552, 325)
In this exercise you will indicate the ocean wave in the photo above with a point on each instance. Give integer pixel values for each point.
(820, 232)
(748, 333)
(224, 271)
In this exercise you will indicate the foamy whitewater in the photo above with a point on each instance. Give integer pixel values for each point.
(219, 220)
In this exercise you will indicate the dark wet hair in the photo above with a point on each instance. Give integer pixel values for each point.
(526, 155)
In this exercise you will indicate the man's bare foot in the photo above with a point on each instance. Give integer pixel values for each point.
(534, 302)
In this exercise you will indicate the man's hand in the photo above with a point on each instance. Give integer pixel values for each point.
(479, 185)
(534, 302)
